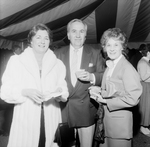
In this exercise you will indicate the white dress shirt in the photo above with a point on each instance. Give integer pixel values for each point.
(79, 53)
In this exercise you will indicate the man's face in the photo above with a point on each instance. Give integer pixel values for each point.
(77, 34)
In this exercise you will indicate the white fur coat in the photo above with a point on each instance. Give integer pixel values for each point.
(22, 72)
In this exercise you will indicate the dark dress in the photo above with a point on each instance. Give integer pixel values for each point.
(42, 129)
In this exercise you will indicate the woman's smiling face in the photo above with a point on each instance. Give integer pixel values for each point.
(40, 42)
(113, 48)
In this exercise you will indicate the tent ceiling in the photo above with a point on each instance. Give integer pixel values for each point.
(17, 17)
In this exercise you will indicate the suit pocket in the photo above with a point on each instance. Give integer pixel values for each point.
(123, 123)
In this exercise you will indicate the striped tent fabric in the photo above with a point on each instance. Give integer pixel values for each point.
(17, 17)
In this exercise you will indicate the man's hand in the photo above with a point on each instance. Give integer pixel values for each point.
(84, 75)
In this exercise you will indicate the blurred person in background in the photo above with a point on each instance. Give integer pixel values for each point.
(137, 56)
(17, 49)
(143, 68)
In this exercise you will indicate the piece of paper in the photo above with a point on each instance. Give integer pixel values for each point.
(57, 94)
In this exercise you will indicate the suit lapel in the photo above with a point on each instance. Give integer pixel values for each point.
(86, 55)
(66, 59)
(104, 79)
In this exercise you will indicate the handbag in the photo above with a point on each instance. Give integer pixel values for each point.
(99, 134)
(64, 135)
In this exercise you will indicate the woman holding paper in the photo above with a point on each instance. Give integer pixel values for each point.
(33, 82)
(120, 91)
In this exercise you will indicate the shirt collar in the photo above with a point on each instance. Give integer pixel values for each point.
(72, 48)
(117, 60)
(146, 59)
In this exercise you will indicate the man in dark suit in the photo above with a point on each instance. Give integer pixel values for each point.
(137, 56)
(80, 111)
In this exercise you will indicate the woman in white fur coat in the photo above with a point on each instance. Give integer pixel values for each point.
(34, 81)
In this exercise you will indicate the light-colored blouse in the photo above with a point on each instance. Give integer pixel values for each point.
(143, 68)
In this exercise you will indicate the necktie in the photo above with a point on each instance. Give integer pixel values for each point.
(74, 67)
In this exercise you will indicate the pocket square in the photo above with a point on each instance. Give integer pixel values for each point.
(90, 64)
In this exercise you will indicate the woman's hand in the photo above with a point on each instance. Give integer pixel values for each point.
(95, 89)
(33, 94)
(58, 95)
(60, 99)
(98, 98)
(95, 93)
(48, 95)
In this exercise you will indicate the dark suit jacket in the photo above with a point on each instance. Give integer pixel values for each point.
(80, 111)
(135, 59)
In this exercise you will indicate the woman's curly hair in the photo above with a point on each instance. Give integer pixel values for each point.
(114, 33)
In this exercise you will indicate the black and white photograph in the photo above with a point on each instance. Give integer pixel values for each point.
(74, 73)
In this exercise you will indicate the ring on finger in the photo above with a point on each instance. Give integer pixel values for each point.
(96, 98)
